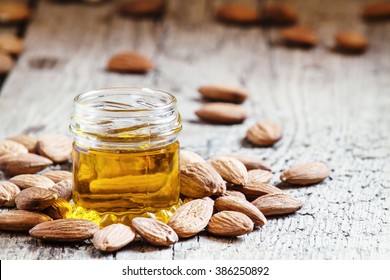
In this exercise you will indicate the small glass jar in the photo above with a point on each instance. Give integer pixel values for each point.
(125, 155)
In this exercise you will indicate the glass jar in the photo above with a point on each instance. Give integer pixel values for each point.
(125, 155)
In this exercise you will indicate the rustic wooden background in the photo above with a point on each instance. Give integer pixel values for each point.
(332, 107)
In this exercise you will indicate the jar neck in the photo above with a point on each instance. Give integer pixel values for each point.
(125, 119)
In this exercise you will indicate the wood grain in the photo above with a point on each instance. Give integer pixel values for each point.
(332, 107)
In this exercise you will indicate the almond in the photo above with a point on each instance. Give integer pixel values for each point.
(58, 175)
(237, 204)
(264, 134)
(35, 199)
(223, 93)
(238, 13)
(23, 164)
(155, 232)
(11, 147)
(25, 181)
(259, 176)
(13, 12)
(222, 113)
(252, 162)
(131, 62)
(299, 36)
(255, 189)
(277, 204)
(8, 192)
(6, 63)
(29, 141)
(376, 11)
(306, 173)
(234, 193)
(63, 189)
(187, 157)
(351, 42)
(21, 220)
(113, 237)
(280, 14)
(59, 209)
(11, 44)
(64, 230)
(142, 7)
(231, 169)
(199, 180)
(192, 217)
(230, 223)
(58, 148)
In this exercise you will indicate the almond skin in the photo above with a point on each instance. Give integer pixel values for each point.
(231, 169)
(254, 190)
(238, 13)
(11, 147)
(376, 11)
(243, 206)
(192, 217)
(280, 14)
(64, 230)
(222, 113)
(6, 63)
(58, 148)
(224, 93)
(129, 62)
(252, 162)
(142, 8)
(277, 204)
(58, 175)
(11, 44)
(155, 232)
(13, 12)
(187, 157)
(230, 223)
(63, 189)
(21, 220)
(23, 164)
(234, 193)
(351, 42)
(306, 173)
(199, 180)
(8, 192)
(264, 134)
(259, 176)
(29, 141)
(113, 237)
(25, 181)
(299, 36)
(35, 199)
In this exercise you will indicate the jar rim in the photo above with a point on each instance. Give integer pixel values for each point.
(80, 99)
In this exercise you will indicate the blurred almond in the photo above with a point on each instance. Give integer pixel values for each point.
(264, 134)
(58, 148)
(11, 44)
(59, 209)
(299, 36)
(29, 141)
(11, 147)
(222, 113)
(306, 173)
(21, 220)
(63, 189)
(192, 217)
(58, 175)
(6, 63)
(142, 7)
(25, 181)
(35, 199)
(187, 157)
(351, 42)
(199, 180)
(231, 169)
(277, 204)
(113, 237)
(13, 12)
(259, 176)
(64, 230)
(238, 13)
(223, 93)
(237, 204)
(280, 14)
(131, 62)
(155, 232)
(376, 11)
(252, 162)
(230, 223)
(23, 164)
(8, 192)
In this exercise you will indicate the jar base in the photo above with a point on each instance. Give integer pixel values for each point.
(103, 219)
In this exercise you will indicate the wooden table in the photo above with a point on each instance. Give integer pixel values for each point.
(332, 107)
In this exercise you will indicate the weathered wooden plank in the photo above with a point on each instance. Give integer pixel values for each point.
(332, 108)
